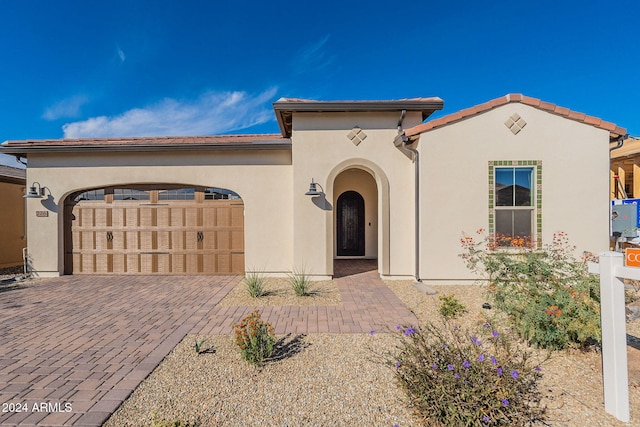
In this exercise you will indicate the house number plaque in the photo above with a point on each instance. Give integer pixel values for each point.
(42, 214)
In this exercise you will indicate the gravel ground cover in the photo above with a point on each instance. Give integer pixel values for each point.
(337, 380)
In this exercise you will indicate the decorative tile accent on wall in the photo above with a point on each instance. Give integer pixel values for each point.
(537, 164)
(515, 123)
(356, 135)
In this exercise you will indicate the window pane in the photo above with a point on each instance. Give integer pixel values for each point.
(511, 223)
(513, 186)
(523, 177)
(522, 223)
(177, 194)
(504, 223)
(90, 195)
(219, 193)
(504, 186)
(129, 194)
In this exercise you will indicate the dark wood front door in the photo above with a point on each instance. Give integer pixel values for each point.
(350, 224)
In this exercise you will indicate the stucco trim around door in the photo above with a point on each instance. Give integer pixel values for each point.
(382, 184)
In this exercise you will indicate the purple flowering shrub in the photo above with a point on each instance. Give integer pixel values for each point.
(454, 377)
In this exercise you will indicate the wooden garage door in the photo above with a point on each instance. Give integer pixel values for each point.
(155, 231)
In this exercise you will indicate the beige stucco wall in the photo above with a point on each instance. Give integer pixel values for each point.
(321, 150)
(261, 178)
(12, 228)
(454, 182)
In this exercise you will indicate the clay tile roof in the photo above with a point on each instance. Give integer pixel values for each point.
(614, 130)
(10, 174)
(148, 143)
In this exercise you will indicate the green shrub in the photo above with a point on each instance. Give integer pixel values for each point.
(455, 378)
(450, 307)
(300, 282)
(550, 298)
(199, 345)
(255, 281)
(255, 338)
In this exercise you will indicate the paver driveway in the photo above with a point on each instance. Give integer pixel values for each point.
(73, 348)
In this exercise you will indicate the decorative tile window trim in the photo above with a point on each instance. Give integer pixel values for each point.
(537, 165)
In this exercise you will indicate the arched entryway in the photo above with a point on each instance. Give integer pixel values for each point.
(350, 224)
(154, 229)
(355, 219)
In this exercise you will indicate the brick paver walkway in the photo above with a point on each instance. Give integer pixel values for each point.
(73, 348)
(367, 304)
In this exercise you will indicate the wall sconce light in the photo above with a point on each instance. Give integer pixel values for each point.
(35, 193)
(313, 191)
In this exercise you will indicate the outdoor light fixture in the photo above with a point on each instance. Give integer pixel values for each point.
(313, 191)
(35, 193)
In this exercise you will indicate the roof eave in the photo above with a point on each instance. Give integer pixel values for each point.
(257, 145)
(284, 108)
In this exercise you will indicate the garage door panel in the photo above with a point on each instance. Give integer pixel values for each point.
(119, 263)
(237, 261)
(223, 261)
(237, 241)
(191, 216)
(148, 240)
(177, 217)
(223, 240)
(178, 240)
(118, 215)
(201, 236)
(102, 263)
(237, 216)
(133, 263)
(119, 240)
(209, 240)
(88, 263)
(163, 217)
(163, 240)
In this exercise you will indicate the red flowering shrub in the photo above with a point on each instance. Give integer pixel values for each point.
(255, 338)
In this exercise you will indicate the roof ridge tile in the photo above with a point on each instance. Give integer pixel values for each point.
(516, 97)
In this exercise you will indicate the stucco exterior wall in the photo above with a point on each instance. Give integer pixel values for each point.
(454, 182)
(321, 150)
(12, 224)
(261, 178)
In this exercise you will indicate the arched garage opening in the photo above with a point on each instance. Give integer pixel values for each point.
(154, 229)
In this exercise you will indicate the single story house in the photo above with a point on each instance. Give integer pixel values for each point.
(12, 232)
(343, 179)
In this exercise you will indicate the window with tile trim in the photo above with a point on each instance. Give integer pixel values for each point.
(515, 202)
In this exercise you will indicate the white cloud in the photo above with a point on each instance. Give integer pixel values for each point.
(212, 113)
(66, 108)
(121, 54)
(313, 57)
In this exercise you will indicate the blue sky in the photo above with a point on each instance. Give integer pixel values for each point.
(79, 68)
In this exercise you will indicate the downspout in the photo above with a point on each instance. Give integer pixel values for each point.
(619, 143)
(17, 156)
(416, 168)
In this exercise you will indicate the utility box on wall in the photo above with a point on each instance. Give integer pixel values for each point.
(624, 220)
